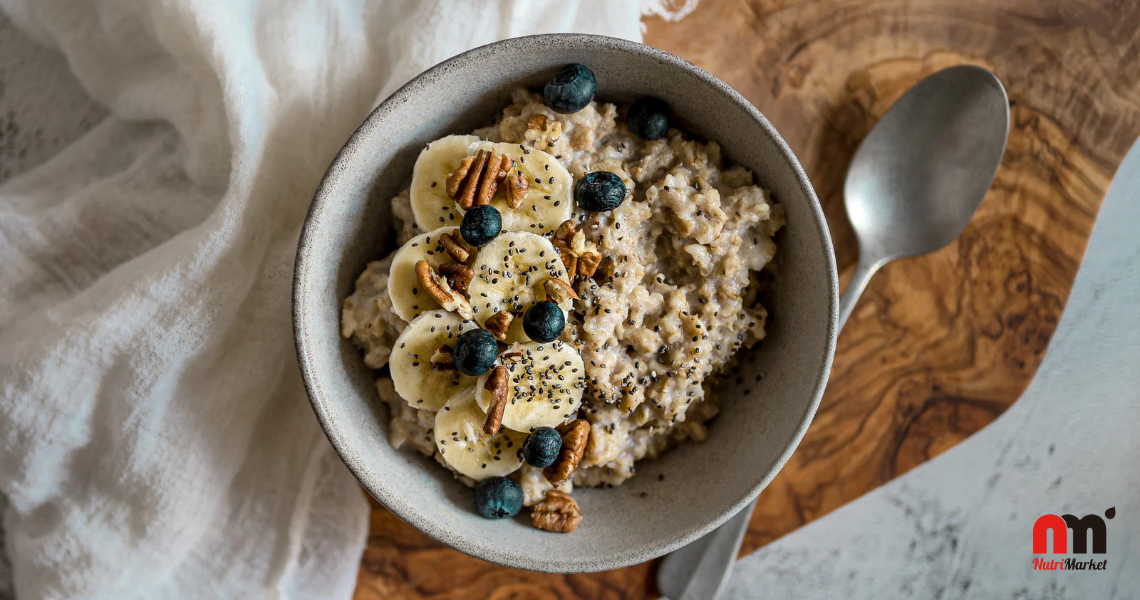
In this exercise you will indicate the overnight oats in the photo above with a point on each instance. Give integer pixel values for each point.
(569, 282)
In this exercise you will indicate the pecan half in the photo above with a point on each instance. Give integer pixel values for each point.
(558, 512)
(558, 291)
(467, 179)
(443, 359)
(440, 291)
(477, 178)
(517, 187)
(505, 166)
(428, 280)
(496, 384)
(588, 263)
(458, 276)
(458, 176)
(491, 179)
(574, 437)
(498, 324)
(456, 248)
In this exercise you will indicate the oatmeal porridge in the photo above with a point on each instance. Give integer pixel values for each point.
(569, 282)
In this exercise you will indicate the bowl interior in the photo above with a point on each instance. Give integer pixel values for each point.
(765, 408)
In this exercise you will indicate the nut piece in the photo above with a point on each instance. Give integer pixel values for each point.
(460, 306)
(510, 357)
(440, 291)
(498, 324)
(517, 187)
(455, 247)
(464, 183)
(574, 438)
(428, 280)
(563, 235)
(477, 178)
(443, 359)
(537, 122)
(558, 291)
(588, 263)
(558, 512)
(497, 385)
(458, 276)
(543, 131)
(571, 263)
(505, 167)
(490, 181)
(491, 177)
(467, 199)
(580, 257)
(457, 177)
(578, 243)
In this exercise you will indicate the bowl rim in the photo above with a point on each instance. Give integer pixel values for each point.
(475, 547)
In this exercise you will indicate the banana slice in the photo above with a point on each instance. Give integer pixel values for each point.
(544, 388)
(509, 277)
(550, 189)
(460, 440)
(430, 204)
(417, 380)
(409, 298)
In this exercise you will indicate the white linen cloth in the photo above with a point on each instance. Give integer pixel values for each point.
(155, 439)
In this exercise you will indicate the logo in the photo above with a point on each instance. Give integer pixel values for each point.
(1060, 527)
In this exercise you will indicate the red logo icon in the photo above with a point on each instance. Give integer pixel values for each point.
(1060, 527)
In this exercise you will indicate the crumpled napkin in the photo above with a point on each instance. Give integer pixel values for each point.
(155, 438)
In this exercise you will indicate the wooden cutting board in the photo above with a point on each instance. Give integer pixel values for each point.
(938, 346)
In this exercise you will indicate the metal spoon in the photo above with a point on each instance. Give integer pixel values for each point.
(912, 187)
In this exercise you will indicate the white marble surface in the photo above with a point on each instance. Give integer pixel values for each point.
(957, 527)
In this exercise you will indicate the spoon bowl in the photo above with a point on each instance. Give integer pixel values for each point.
(912, 189)
(919, 176)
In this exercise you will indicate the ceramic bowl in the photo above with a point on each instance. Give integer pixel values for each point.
(764, 411)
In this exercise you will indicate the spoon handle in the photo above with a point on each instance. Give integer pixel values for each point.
(863, 272)
(699, 570)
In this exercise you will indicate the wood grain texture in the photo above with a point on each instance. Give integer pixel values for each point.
(940, 345)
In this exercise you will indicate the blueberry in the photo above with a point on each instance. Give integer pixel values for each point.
(498, 498)
(599, 191)
(571, 89)
(648, 118)
(475, 352)
(544, 321)
(542, 446)
(481, 224)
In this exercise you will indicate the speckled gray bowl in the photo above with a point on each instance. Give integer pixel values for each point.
(762, 419)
